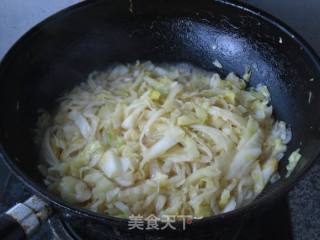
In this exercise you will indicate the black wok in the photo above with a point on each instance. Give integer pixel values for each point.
(60, 52)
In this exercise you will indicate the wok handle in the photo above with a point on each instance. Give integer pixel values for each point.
(23, 219)
(10, 229)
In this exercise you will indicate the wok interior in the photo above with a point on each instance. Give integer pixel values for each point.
(61, 53)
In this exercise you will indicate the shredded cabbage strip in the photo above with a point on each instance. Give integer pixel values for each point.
(161, 139)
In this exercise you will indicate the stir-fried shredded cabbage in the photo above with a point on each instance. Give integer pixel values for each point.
(147, 139)
(293, 161)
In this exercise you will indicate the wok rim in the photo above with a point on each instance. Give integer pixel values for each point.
(239, 212)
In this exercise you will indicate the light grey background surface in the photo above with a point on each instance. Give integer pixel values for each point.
(17, 16)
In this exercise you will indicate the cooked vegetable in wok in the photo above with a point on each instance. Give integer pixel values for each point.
(161, 139)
